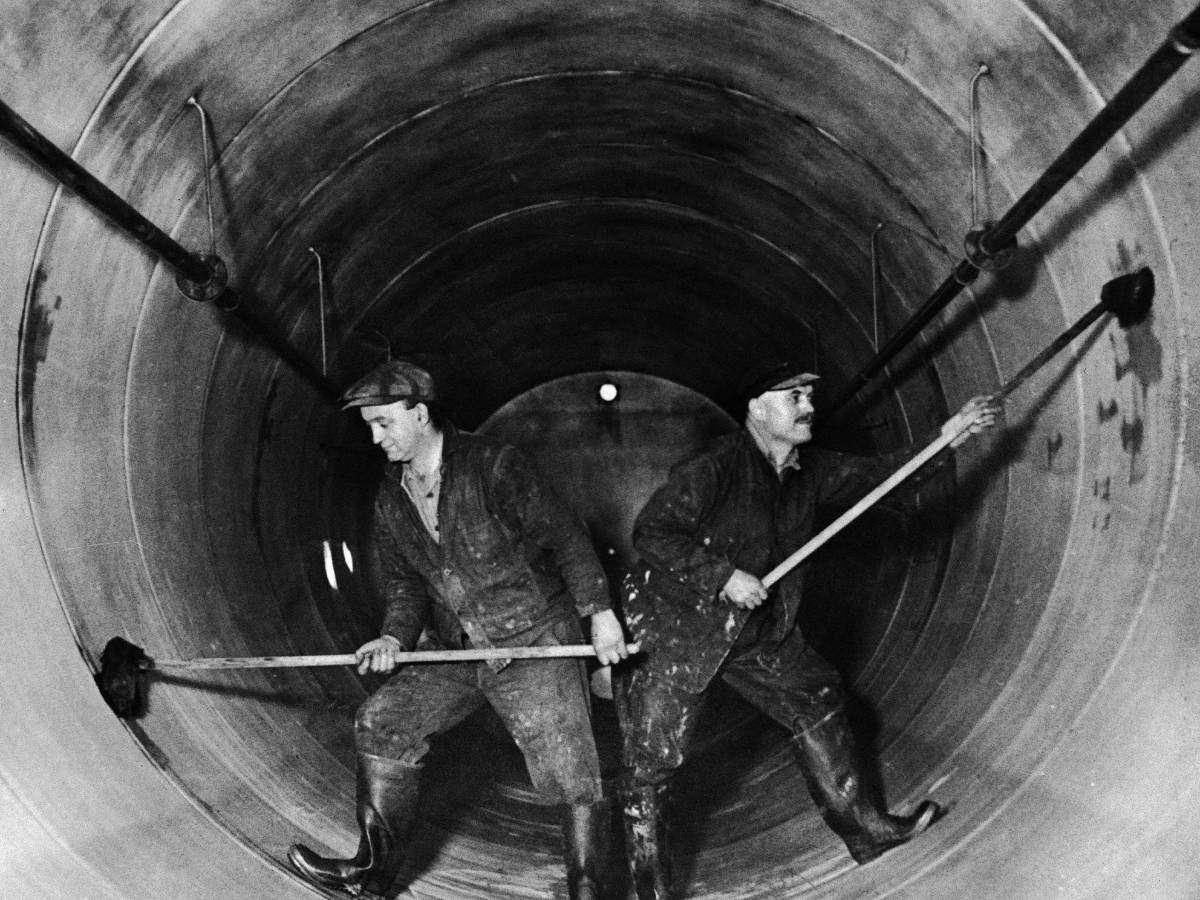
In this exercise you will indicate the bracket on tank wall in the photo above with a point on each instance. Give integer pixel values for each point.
(201, 278)
(991, 243)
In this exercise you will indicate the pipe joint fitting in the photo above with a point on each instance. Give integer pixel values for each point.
(209, 289)
(1184, 40)
(982, 258)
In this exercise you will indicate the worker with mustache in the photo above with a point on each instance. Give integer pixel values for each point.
(697, 605)
(475, 551)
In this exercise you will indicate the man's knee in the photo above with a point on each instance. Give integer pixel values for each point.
(374, 715)
(654, 749)
(655, 729)
(815, 709)
(382, 730)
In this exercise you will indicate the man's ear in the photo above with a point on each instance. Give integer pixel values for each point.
(754, 408)
(422, 414)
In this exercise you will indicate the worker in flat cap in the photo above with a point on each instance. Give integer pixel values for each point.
(697, 604)
(474, 550)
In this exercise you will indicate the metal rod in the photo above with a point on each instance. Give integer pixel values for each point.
(99, 196)
(1038, 361)
(875, 282)
(1154, 73)
(1127, 297)
(212, 231)
(321, 305)
(267, 334)
(973, 103)
(964, 274)
(96, 194)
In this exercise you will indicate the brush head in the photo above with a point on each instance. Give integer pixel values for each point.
(1129, 297)
(121, 678)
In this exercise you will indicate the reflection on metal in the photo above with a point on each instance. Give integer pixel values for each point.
(330, 572)
(973, 100)
(989, 246)
(348, 557)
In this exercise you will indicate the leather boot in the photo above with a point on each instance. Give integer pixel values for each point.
(386, 799)
(834, 775)
(585, 828)
(646, 840)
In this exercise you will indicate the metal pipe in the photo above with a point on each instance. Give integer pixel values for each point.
(1154, 73)
(264, 332)
(205, 278)
(99, 196)
(985, 247)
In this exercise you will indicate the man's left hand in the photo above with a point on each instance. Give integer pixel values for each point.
(607, 638)
(977, 414)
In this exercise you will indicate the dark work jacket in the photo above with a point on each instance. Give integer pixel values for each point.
(512, 558)
(721, 510)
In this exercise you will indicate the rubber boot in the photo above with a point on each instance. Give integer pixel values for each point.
(834, 775)
(646, 840)
(585, 828)
(386, 799)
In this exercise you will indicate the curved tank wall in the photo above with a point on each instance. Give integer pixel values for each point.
(544, 193)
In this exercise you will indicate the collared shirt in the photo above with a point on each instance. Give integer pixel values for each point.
(424, 494)
(511, 556)
(791, 461)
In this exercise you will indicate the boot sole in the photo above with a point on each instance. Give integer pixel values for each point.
(929, 812)
(320, 879)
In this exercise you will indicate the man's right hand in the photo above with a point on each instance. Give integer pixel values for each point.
(380, 655)
(744, 590)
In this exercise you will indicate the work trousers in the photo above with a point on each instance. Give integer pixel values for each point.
(544, 704)
(790, 682)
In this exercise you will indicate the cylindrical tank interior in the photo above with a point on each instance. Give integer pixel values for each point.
(556, 196)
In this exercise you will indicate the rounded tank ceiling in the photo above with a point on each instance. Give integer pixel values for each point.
(550, 195)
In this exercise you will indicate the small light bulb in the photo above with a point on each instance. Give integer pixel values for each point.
(608, 392)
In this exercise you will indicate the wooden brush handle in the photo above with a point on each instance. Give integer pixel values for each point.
(412, 656)
(858, 508)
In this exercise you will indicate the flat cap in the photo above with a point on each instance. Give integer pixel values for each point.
(774, 375)
(394, 380)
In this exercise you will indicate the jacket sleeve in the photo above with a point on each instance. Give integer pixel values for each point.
(406, 600)
(847, 477)
(530, 507)
(667, 532)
